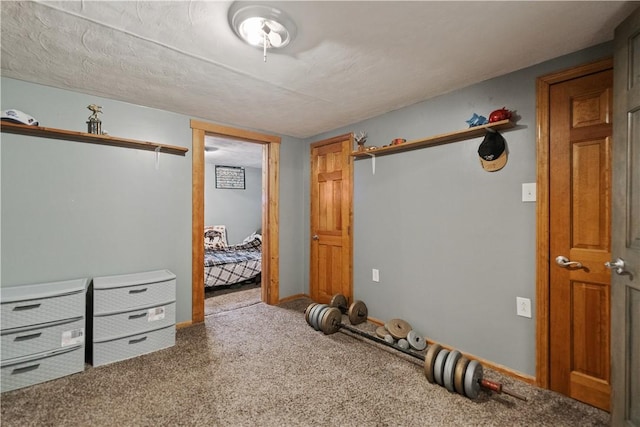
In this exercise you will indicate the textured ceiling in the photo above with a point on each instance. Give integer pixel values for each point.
(232, 152)
(350, 60)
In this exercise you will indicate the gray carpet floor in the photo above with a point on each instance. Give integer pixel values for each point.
(218, 300)
(260, 365)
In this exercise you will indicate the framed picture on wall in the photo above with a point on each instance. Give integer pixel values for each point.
(230, 177)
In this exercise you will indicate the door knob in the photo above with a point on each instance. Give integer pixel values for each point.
(563, 261)
(315, 237)
(617, 265)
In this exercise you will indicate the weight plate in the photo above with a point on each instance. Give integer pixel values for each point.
(416, 341)
(472, 378)
(438, 367)
(306, 313)
(398, 328)
(339, 301)
(314, 316)
(331, 320)
(311, 312)
(458, 376)
(357, 312)
(318, 317)
(430, 360)
(308, 310)
(449, 370)
(320, 314)
(381, 332)
(388, 338)
(404, 344)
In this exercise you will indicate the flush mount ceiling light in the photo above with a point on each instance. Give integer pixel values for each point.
(261, 26)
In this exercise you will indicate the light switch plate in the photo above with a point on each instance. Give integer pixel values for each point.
(375, 275)
(529, 192)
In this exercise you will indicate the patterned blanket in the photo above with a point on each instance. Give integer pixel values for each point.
(233, 264)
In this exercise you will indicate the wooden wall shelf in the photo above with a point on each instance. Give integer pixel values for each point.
(445, 138)
(68, 135)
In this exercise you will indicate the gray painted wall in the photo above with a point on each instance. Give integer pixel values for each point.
(239, 210)
(71, 209)
(454, 245)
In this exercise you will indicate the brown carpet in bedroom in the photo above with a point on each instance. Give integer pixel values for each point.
(259, 365)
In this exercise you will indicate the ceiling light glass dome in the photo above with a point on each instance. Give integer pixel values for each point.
(261, 26)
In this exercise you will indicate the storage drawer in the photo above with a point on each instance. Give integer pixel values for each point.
(117, 300)
(25, 341)
(132, 346)
(133, 322)
(108, 282)
(35, 311)
(23, 372)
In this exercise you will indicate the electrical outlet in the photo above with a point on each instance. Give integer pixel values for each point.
(523, 307)
(375, 275)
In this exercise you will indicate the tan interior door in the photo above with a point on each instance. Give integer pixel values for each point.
(331, 217)
(625, 291)
(580, 217)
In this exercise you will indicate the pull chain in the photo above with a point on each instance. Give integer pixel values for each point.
(264, 38)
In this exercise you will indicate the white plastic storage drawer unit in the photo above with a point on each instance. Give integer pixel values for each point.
(43, 332)
(133, 314)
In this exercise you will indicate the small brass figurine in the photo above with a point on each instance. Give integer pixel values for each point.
(94, 124)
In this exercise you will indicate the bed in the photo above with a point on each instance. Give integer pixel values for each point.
(230, 264)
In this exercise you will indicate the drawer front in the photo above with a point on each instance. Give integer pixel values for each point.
(132, 346)
(38, 340)
(40, 370)
(133, 322)
(106, 301)
(33, 312)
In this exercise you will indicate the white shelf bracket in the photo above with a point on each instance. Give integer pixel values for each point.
(157, 150)
(373, 163)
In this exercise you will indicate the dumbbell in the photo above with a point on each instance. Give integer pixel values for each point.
(357, 311)
(444, 367)
(313, 314)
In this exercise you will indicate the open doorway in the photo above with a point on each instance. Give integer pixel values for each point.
(269, 209)
(233, 223)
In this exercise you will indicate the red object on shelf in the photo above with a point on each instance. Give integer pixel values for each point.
(498, 115)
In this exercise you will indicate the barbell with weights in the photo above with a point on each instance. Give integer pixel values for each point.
(447, 368)
(357, 311)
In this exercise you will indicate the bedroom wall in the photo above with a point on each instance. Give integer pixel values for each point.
(454, 244)
(71, 210)
(239, 210)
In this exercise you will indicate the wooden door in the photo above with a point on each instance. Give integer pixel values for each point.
(580, 216)
(625, 284)
(331, 217)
